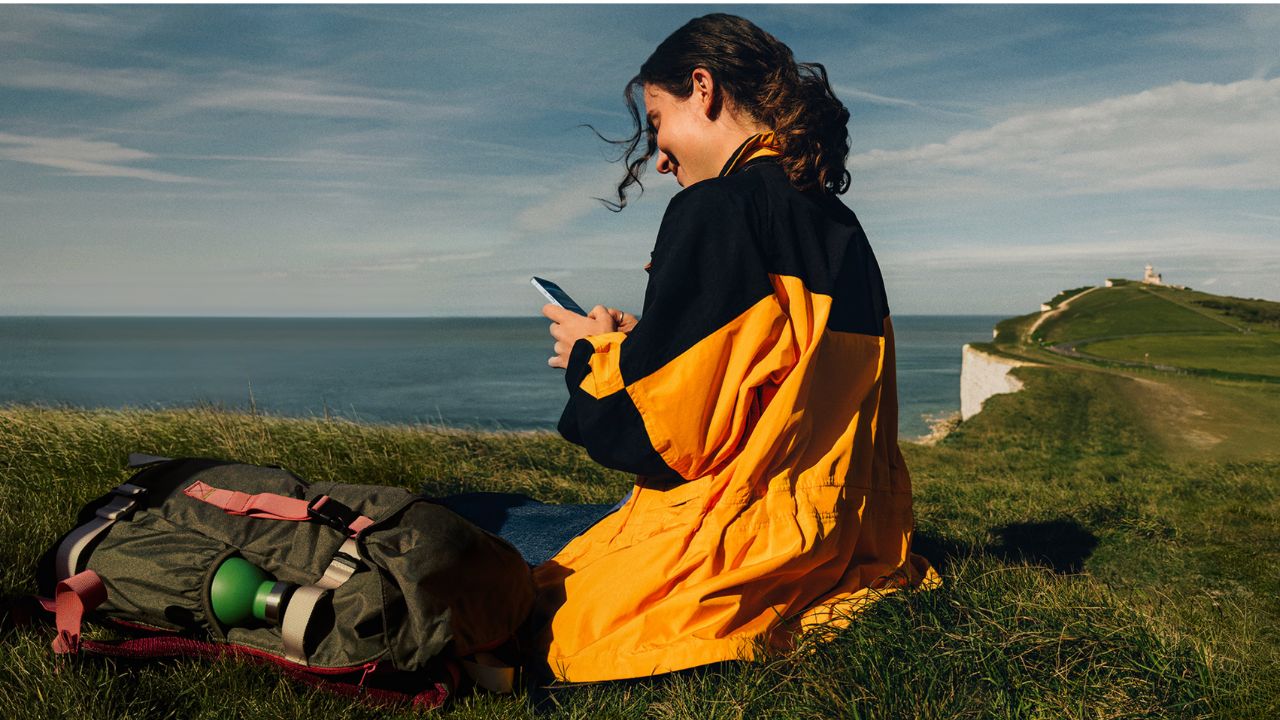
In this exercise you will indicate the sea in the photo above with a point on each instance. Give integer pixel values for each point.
(473, 373)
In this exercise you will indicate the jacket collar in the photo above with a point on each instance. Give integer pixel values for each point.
(757, 146)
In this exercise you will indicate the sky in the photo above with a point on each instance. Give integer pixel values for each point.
(427, 160)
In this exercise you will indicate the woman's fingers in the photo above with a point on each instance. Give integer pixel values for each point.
(561, 357)
(555, 313)
(568, 327)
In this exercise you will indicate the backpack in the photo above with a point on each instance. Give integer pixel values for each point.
(371, 587)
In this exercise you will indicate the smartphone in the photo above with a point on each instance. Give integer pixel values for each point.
(553, 293)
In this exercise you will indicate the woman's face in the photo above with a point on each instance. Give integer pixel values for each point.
(682, 131)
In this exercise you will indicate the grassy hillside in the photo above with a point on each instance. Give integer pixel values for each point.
(1129, 310)
(1107, 538)
(1204, 369)
(1164, 328)
(1254, 354)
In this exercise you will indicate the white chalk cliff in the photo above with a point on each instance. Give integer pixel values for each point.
(983, 375)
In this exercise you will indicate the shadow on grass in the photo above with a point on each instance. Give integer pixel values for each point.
(21, 611)
(1062, 545)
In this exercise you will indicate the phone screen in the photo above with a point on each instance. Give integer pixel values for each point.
(553, 293)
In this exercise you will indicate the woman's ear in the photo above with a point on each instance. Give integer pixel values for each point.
(706, 93)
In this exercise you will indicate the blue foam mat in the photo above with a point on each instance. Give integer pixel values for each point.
(538, 530)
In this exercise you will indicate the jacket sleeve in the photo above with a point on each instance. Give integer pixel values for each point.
(680, 394)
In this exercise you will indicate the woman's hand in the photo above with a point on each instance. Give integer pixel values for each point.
(625, 320)
(568, 327)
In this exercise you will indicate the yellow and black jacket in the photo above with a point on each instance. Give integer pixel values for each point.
(756, 400)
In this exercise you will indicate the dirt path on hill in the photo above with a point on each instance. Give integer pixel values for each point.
(1070, 349)
(1180, 421)
(1026, 337)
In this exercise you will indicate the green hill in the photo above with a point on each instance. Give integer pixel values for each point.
(1166, 328)
(1124, 310)
(1204, 369)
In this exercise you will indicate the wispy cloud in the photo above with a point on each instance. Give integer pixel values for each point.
(846, 92)
(559, 209)
(307, 97)
(1242, 30)
(189, 92)
(946, 38)
(35, 25)
(308, 157)
(108, 82)
(1190, 248)
(1179, 136)
(79, 156)
(570, 195)
(385, 265)
(295, 94)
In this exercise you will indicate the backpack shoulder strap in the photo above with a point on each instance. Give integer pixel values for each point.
(122, 504)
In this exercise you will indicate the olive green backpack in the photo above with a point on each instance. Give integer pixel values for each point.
(378, 588)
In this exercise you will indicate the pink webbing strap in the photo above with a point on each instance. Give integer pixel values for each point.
(264, 505)
(270, 506)
(74, 597)
(429, 693)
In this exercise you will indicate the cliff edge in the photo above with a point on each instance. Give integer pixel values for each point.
(983, 375)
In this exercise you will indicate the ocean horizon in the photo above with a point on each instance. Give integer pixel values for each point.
(484, 373)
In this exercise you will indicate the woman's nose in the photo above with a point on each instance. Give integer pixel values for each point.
(664, 163)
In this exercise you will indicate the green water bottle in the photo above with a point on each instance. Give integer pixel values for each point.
(241, 593)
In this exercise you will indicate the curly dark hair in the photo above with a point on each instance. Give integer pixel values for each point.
(761, 78)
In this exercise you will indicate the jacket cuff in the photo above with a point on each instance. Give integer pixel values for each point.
(594, 365)
(579, 364)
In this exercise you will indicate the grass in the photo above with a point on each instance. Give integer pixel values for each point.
(1253, 312)
(1252, 354)
(1127, 310)
(1061, 535)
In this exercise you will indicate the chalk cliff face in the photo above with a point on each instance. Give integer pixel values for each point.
(983, 375)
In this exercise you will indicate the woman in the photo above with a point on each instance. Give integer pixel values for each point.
(755, 399)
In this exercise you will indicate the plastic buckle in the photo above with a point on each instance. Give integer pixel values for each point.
(331, 512)
(124, 502)
(130, 490)
(345, 559)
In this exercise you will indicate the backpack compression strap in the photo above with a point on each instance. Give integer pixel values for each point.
(297, 615)
(270, 506)
(123, 502)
